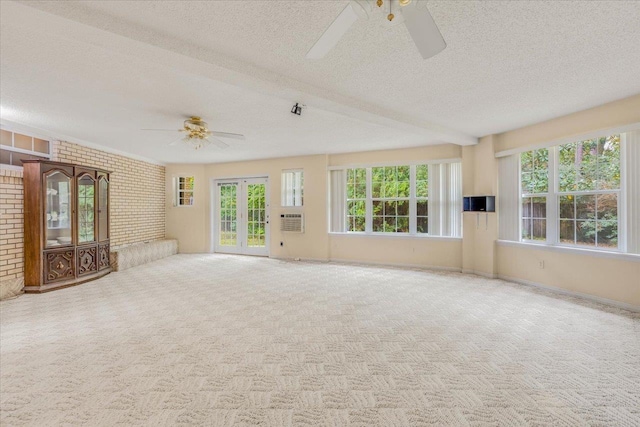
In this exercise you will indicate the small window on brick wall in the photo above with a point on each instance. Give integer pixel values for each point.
(16, 147)
(183, 191)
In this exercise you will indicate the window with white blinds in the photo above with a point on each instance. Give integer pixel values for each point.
(292, 188)
(419, 199)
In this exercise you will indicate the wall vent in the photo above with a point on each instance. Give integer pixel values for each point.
(292, 222)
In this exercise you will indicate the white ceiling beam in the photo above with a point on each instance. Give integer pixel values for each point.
(103, 31)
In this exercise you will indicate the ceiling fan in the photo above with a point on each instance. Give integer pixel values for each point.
(416, 17)
(198, 135)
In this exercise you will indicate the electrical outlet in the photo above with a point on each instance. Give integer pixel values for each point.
(541, 264)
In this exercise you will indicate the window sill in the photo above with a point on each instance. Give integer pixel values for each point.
(568, 250)
(395, 236)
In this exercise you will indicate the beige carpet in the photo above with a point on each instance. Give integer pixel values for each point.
(224, 340)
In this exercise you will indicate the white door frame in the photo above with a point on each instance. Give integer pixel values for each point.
(242, 212)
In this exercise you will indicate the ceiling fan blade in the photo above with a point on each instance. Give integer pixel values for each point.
(336, 30)
(226, 134)
(176, 142)
(217, 142)
(423, 30)
(166, 130)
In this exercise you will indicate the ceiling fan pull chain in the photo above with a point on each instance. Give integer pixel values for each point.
(390, 16)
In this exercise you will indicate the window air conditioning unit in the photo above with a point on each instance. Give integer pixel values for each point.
(292, 222)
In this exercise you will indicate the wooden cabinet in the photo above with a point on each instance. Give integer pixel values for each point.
(66, 224)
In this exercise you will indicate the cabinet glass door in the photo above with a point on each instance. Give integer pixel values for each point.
(103, 209)
(86, 209)
(58, 209)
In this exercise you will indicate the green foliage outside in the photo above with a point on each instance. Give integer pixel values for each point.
(584, 166)
(390, 193)
(256, 221)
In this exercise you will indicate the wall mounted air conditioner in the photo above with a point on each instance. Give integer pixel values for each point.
(292, 222)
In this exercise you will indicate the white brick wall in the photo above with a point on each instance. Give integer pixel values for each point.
(137, 203)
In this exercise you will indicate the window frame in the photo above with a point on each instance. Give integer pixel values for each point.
(546, 195)
(283, 189)
(13, 149)
(177, 191)
(553, 197)
(412, 200)
(366, 200)
(384, 200)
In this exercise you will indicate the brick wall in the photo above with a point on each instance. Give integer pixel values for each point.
(137, 205)
(137, 192)
(11, 231)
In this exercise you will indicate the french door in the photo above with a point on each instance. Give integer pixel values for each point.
(242, 216)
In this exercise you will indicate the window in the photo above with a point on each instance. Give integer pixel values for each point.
(396, 200)
(183, 191)
(588, 188)
(534, 181)
(422, 199)
(356, 199)
(16, 147)
(570, 193)
(390, 192)
(292, 188)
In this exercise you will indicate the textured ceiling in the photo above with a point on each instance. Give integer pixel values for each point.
(100, 71)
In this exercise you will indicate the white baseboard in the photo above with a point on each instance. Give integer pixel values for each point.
(480, 273)
(601, 300)
(299, 259)
(387, 264)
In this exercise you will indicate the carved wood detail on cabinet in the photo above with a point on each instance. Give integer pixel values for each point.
(87, 260)
(103, 256)
(66, 217)
(59, 266)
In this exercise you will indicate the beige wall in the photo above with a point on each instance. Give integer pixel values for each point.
(614, 114)
(192, 225)
(616, 280)
(315, 243)
(480, 230)
(187, 223)
(137, 205)
(432, 152)
(611, 279)
(477, 252)
(421, 252)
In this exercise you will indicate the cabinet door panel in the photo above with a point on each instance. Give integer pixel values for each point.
(87, 260)
(58, 208)
(103, 256)
(86, 209)
(59, 265)
(103, 208)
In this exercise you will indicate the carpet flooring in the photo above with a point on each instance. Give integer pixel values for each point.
(231, 340)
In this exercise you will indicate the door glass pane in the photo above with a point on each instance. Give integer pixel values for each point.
(103, 209)
(58, 207)
(86, 220)
(256, 215)
(228, 234)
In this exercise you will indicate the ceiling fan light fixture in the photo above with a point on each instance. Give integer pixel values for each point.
(195, 142)
(404, 2)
